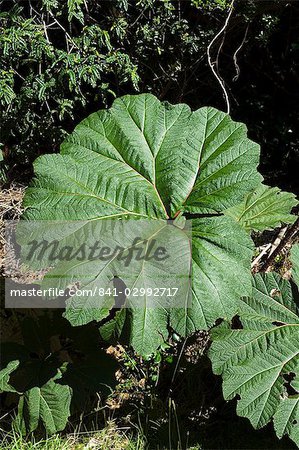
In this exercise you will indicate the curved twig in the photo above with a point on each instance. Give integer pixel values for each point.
(236, 54)
(213, 63)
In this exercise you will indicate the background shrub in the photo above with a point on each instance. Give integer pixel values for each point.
(61, 60)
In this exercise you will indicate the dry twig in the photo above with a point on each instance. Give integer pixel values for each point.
(287, 239)
(214, 64)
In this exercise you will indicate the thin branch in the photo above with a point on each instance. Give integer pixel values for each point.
(19, 75)
(140, 15)
(45, 29)
(176, 367)
(288, 239)
(260, 256)
(67, 35)
(219, 51)
(30, 8)
(277, 241)
(213, 63)
(236, 54)
(86, 6)
(49, 109)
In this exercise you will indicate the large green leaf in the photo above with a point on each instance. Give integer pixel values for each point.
(147, 158)
(264, 208)
(151, 160)
(260, 362)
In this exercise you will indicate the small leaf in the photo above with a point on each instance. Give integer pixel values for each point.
(286, 419)
(5, 376)
(264, 208)
(295, 263)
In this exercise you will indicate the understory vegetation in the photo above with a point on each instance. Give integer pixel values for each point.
(132, 120)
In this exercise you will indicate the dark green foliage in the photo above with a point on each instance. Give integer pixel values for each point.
(54, 58)
(54, 369)
(62, 60)
(57, 56)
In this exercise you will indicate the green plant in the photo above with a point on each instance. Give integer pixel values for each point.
(52, 370)
(149, 159)
(264, 208)
(61, 60)
(53, 59)
(295, 263)
(259, 358)
(212, 4)
(15, 441)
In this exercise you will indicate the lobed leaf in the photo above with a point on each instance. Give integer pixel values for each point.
(145, 158)
(260, 362)
(152, 160)
(264, 208)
